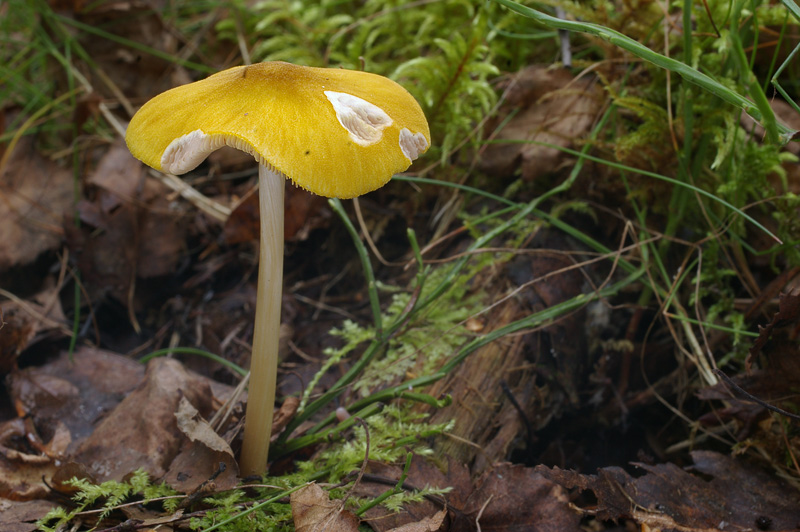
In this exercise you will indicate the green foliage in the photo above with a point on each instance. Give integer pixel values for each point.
(444, 53)
(228, 506)
(424, 342)
(392, 434)
(108, 496)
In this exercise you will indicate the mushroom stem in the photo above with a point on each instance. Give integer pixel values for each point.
(264, 357)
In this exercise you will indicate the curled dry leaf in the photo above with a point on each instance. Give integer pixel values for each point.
(727, 494)
(18, 516)
(142, 432)
(427, 524)
(76, 391)
(788, 312)
(201, 456)
(313, 511)
(554, 108)
(23, 476)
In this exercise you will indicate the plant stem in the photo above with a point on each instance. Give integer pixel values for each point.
(264, 358)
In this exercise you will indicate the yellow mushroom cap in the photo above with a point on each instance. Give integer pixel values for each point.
(337, 133)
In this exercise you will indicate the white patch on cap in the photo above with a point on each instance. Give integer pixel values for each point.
(412, 144)
(187, 152)
(364, 121)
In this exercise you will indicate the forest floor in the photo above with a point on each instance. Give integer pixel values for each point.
(591, 418)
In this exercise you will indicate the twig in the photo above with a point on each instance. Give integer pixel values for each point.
(742, 393)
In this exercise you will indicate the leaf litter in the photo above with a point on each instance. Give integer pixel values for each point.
(146, 256)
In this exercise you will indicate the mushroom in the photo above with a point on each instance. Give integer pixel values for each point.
(334, 132)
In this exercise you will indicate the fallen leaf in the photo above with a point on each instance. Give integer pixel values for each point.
(22, 516)
(35, 195)
(23, 476)
(383, 477)
(284, 415)
(508, 498)
(427, 524)
(730, 495)
(142, 432)
(76, 391)
(551, 107)
(25, 320)
(313, 511)
(129, 230)
(201, 456)
(512, 497)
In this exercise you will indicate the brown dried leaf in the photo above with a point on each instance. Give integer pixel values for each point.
(736, 497)
(142, 432)
(24, 476)
(284, 415)
(74, 391)
(35, 195)
(513, 498)
(313, 511)
(427, 524)
(788, 312)
(21, 516)
(554, 108)
(141, 236)
(383, 477)
(201, 456)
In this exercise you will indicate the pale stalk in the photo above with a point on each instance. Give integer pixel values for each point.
(264, 358)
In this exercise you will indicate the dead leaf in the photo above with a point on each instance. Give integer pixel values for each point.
(313, 511)
(21, 321)
(554, 108)
(35, 195)
(201, 456)
(23, 476)
(284, 415)
(22, 516)
(514, 497)
(510, 497)
(730, 495)
(383, 477)
(788, 312)
(141, 432)
(129, 230)
(428, 524)
(76, 391)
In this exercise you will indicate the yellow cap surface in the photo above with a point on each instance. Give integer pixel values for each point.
(337, 133)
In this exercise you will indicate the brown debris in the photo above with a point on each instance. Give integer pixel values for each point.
(201, 456)
(35, 195)
(77, 391)
(554, 108)
(22, 516)
(143, 427)
(313, 511)
(788, 312)
(506, 498)
(723, 494)
(23, 476)
(303, 212)
(129, 230)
